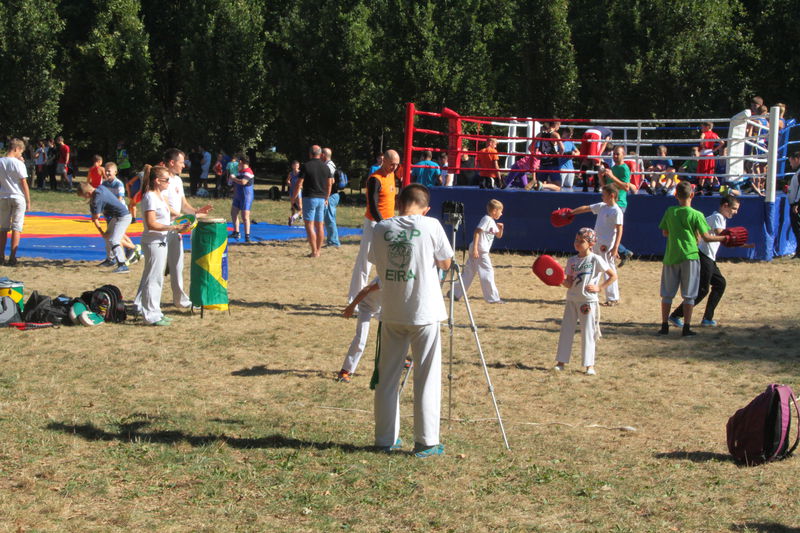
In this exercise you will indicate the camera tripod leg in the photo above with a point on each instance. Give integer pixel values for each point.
(455, 277)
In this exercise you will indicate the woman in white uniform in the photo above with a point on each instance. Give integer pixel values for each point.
(154, 243)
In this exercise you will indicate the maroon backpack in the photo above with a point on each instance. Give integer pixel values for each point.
(760, 432)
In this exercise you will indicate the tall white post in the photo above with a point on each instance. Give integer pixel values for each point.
(736, 132)
(772, 153)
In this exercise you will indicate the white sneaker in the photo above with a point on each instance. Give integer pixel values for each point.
(591, 372)
(558, 368)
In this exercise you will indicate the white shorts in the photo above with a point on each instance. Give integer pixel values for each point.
(686, 275)
(12, 213)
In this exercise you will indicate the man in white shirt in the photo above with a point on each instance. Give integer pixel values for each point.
(794, 200)
(15, 199)
(406, 251)
(176, 200)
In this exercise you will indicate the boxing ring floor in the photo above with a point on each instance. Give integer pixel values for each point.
(526, 216)
(74, 237)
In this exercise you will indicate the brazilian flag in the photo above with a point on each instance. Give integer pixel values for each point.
(209, 276)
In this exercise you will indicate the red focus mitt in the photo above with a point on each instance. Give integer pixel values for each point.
(548, 270)
(561, 217)
(736, 236)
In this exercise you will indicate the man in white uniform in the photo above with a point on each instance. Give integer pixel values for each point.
(176, 200)
(406, 251)
(15, 199)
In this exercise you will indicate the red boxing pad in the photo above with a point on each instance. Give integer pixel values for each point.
(548, 270)
(561, 217)
(735, 236)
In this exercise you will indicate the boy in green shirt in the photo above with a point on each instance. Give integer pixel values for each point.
(682, 226)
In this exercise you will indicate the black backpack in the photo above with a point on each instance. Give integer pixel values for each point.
(107, 302)
(40, 308)
(9, 311)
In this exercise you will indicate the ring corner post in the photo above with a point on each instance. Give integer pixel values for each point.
(408, 144)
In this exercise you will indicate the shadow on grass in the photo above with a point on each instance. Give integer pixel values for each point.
(133, 432)
(696, 457)
(294, 309)
(764, 527)
(24, 262)
(262, 370)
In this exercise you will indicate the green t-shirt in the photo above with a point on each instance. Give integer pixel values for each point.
(622, 173)
(682, 224)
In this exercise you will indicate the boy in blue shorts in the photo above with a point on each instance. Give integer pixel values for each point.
(243, 194)
(683, 226)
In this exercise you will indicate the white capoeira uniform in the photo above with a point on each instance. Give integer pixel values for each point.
(360, 276)
(174, 196)
(174, 248)
(582, 306)
(154, 245)
(368, 308)
(608, 217)
(404, 252)
(483, 264)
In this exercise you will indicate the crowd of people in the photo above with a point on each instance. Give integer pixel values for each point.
(558, 161)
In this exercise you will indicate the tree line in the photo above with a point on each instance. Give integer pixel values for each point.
(238, 74)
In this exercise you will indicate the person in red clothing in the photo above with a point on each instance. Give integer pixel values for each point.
(710, 145)
(96, 172)
(62, 163)
(488, 166)
(593, 144)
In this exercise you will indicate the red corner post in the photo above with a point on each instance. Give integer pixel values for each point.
(406, 161)
(453, 139)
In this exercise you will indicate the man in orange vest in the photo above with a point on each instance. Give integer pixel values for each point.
(381, 192)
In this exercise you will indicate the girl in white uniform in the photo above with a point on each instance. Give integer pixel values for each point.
(608, 229)
(154, 242)
(583, 274)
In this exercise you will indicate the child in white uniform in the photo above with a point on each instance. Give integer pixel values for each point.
(406, 251)
(479, 261)
(583, 274)
(608, 228)
(368, 302)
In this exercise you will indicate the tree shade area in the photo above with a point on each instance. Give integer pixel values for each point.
(238, 74)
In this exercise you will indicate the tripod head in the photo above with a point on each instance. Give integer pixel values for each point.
(453, 213)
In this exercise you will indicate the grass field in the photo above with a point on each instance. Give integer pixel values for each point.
(234, 422)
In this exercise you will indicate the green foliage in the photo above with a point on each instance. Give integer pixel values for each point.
(29, 100)
(116, 76)
(224, 93)
(240, 74)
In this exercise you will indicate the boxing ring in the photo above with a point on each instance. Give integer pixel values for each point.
(755, 152)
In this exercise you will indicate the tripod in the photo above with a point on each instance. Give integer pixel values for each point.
(455, 220)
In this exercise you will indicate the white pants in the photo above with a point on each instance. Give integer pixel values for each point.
(483, 267)
(426, 349)
(175, 263)
(359, 340)
(612, 291)
(360, 277)
(589, 315)
(116, 230)
(149, 293)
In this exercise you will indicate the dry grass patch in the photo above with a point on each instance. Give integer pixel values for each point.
(234, 422)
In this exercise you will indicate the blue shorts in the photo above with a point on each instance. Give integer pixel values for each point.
(314, 209)
(243, 201)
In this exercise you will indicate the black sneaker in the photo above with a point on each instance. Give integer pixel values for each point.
(625, 258)
(664, 329)
(106, 263)
(234, 235)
